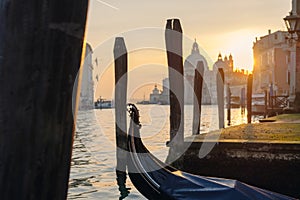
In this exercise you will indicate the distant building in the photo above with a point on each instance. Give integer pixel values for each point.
(190, 65)
(237, 79)
(164, 95)
(273, 64)
(233, 77)
(155, 95)
(160, 97)
(87, 84)
(226, 64)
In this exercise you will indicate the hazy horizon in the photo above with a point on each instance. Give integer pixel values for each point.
(226, 27)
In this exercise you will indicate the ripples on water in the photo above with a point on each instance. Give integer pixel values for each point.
(93, 161)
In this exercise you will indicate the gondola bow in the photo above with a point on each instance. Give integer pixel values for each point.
(156, 180)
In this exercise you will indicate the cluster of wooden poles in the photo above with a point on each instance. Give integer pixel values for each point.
(40, 55)
(173, 39)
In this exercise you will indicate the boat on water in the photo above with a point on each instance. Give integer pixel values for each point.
(235, 102)
(103, 104)
(144, 102)
(258, 104)
(156, 180)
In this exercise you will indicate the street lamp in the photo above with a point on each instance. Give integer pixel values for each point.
(292, 22)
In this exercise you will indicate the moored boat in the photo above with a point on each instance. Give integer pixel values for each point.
(258, 104)
(156, 180)
(103, 104)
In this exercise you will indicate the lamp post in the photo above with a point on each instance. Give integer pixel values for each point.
(292, 22)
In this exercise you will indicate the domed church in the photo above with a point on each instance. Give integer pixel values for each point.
(190, 65)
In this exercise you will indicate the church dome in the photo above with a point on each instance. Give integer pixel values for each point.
(192, 60)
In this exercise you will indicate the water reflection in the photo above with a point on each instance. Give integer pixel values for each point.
(93, 171)
(121, 181)
(93, 162)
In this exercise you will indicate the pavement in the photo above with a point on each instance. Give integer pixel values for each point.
(279, 129)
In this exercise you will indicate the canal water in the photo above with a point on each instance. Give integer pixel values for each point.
(93, 162)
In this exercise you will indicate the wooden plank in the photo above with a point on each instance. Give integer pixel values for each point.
(40, 55)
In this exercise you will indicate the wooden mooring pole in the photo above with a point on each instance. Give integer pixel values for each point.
(266, 104)
(271, 97)
(120, 56)
(220, 96)
(40, 55)
(173, 37)
(228, 105)
(249, 98)
(243, 99)
(198, 83)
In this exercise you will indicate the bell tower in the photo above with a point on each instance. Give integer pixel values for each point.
(195, 48)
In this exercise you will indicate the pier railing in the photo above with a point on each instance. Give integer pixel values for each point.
(279, 101)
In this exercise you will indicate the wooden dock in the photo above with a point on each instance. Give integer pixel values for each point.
(266, 155)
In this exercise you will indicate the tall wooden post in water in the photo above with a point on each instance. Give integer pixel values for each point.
(228, 105)
(266, 104)
(220, 96)
(198, 83)
(120, 55)
(40, 55)
(173, 36)
(243, 99)
(249, 98)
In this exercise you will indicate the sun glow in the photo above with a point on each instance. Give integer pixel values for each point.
(237, 43)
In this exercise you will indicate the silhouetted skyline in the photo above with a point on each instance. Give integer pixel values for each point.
(227, 27)
(220, 26)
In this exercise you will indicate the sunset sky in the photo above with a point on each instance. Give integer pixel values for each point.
(219, 26)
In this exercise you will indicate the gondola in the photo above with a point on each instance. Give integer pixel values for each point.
(156, 180)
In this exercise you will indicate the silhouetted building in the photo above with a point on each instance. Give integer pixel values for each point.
(154, 96)
(237, 79)
(160, 97)
(274, 63)
(87, 84)
(226, 64)
(233, 77)
(190, 65)
(164, 95)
